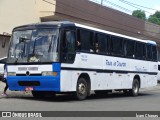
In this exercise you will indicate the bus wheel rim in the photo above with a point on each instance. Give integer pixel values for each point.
(81, 89)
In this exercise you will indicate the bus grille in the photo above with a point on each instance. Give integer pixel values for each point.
(29, 75)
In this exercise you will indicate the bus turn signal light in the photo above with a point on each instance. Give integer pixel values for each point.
(48, 73)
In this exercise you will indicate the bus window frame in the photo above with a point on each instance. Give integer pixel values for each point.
(78, 38)
(155, 60)
(142, 57)
(107, 52)
(111, 46)
(134, 46)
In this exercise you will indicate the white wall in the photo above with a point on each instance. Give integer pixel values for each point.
(17, 12)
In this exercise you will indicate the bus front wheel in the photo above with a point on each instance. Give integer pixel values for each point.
(81, 89)
(135, 88)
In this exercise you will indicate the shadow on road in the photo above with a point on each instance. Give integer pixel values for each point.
(71, 98)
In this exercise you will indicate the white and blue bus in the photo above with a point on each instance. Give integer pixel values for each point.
(63, 57)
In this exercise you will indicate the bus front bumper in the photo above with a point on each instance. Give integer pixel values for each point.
(37, 83)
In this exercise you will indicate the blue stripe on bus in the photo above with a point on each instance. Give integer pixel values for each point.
(56, 67)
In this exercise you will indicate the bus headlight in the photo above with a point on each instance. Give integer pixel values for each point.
(11, 74)
(48, 73)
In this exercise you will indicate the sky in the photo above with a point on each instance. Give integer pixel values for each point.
(117, 4)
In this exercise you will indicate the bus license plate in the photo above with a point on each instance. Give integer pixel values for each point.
(29, 89)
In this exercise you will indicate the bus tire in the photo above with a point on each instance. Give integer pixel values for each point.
(135, 88)
(81, 89)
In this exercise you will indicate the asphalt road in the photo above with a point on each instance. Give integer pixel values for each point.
(148, 100)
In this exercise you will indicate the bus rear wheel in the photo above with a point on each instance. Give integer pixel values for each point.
(81, 89)
(135, 88)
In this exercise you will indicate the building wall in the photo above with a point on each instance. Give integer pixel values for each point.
(45, 8)
(89, 13)
(17, 12)
(4, 51)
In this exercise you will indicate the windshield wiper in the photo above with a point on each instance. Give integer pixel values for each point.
(33, 55)
(22, 40)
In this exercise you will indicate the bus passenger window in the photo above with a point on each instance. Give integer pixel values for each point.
(97, 48)
(101, 43)
(154, 53)
(129, 48)
(149, 52)
(117, 46)
(78, 45)
(85, 40)
(140, 51)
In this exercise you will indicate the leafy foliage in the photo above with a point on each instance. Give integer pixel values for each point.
(155, 18)
(139, 14)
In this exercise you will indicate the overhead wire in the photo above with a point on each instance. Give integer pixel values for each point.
(118, 6)
(124, 9)
(115, 5)
(138, 5)
(125, 2)
(112, 8)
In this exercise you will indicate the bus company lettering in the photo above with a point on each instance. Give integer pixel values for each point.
(116, 63)
(27, 68)
(140, 69)
(84, 58)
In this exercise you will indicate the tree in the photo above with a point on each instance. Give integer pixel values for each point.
(139, 14)
(155, 18)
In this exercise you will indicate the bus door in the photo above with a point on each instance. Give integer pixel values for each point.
(68, 45)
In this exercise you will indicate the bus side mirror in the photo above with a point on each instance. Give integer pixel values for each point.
(3, 40)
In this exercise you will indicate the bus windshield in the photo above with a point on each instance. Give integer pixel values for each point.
(40, 45)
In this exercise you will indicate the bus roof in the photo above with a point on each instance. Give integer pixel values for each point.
(151, 42)
(45, 24)
(68, 23)
(116, 34)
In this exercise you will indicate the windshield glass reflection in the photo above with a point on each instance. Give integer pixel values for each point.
(34, 46)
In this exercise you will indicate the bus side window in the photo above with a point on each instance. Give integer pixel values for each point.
(129, 48)
(154, 53)
(85, 40)
(101, 43)
(117, 46)
(78, 41)
(144, 51)
(68, 46)
(149, 52)
(140, 51)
